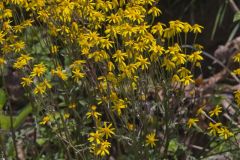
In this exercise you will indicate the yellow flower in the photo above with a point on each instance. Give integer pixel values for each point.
(236, 71)
(183, 72)
(45, 120)
(2, 39)
(236, 58)
(22, 61)
(2, 61)
(72, 105)
(118, 106)
(214, 128)
(195, 56)
(93, 113)
(179, 58)
(168, 64)
(154, 11)
(216, 111)
(191, 122)
(200, 111)
(130, 126)
(66, 115)
(187, 80)
(38, 70)
(158, 28)
(225, 133)
(60, 73)
(77, 75)
(150, 139)
(103, 148)
(39, 89)
(54, 49)
(95, 137)
(119, 56)
(107, 130)
(237, 97)
(197, 28)
(26, 81)
(142, 62)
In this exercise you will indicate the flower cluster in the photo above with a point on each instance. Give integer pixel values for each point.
(213, 126)
(101, 52)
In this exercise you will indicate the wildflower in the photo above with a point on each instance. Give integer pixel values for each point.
(2, 61)
(66, 115)
(158, 28)
(143, 62)
(107, 130)
(154, 11)
(168, 64)
(93, 113)
(168, 33)
(225, 133)
(214, 128)
(236, 71)
(150, 139)
(191, 122)
(179, 58)
(18, 46)
(183, 72)
(187, 80)
(54, 49)
(45, 120)
(130, 126)
(197, 28)
(195, 56)
(2, 39)
(77, 75)
(200, 111)
(119, 56)
(39, 89)
(60, 73)
(236, 58)
(186, 27)
(22, 61)
(72, 105)
(95, 137)
(38, 70)
(237, 97)
(26, 81)
(216, 111)
(118, 106)
(103, 149)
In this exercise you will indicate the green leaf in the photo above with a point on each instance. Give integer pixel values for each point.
(236, 16)
(173, 145)
(3, 99)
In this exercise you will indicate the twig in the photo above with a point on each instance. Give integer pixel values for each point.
(233, 6)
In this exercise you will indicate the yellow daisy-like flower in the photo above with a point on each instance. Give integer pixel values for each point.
(38, 70)
(197, 28)
(214, 128)
(93, 113)
(216, 111)
(45, 120)
(191, 122)
(143, 62)
(107, 130)
(236, 58)
(225, 133)
(26, 81)
(95, 137)
(77, 75)
(150, 139)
